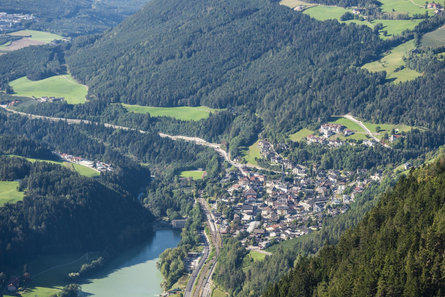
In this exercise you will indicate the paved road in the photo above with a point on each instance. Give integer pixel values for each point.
(197, 140)
(350, 117)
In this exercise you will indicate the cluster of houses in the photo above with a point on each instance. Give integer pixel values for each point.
(264, 210)
(327, 130)
(13, 21)
(322, 140)
(96, 165)
(436, 6)
(49, 99)
(14, 283)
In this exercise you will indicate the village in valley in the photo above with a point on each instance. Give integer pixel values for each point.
(264, 209)
(13, 21)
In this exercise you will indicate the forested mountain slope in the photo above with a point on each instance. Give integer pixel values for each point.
(64, 212)
(288, 68)
(397, 249)
(221, 53)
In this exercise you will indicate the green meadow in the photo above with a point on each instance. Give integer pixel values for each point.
(323, 13)
(56, 86)
(386, 128)
(295, 3)
(183, 113)
(434, 39)
(41, 36)
(301, 134)
(256, 256)
(390, 27)
(82, 170)
(194, 174)
(393, 61)
(252, 153)
(396, 27)
(359, 134)
(403, 7)
(9, 192)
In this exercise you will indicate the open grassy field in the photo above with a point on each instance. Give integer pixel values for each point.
(392, 27)
(9, 192)
(396, 27)
(41, 36)
(347, 123)
(29, 37)
(295, 3)
(252, 152)
(300, 135)
(387, 128)
(359, 134)
(183, 113)
(404, 7)
(256, 256)
(434, 39)
(194, 174)
(217, 292)
(55, 86)
(82, 170)
(323, 13)
(393, 60)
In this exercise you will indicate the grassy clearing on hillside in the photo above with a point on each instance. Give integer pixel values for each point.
(396, 27)
(300, 135)
(55, 86)
(295, 3)
(41, 36)
(9, 192)
(323, 13)
(82, 170)
(434, 39)
(403, 7)
(347, 123)
(252, 153)
(359, 134)
(392, 27)
(194, 174)
(393, 60)
(256, 256)
(183, 113)
(386, 128)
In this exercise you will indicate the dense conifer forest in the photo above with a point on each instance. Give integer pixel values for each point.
(64, 212)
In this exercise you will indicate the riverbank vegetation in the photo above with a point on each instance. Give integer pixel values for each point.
(171, 262)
